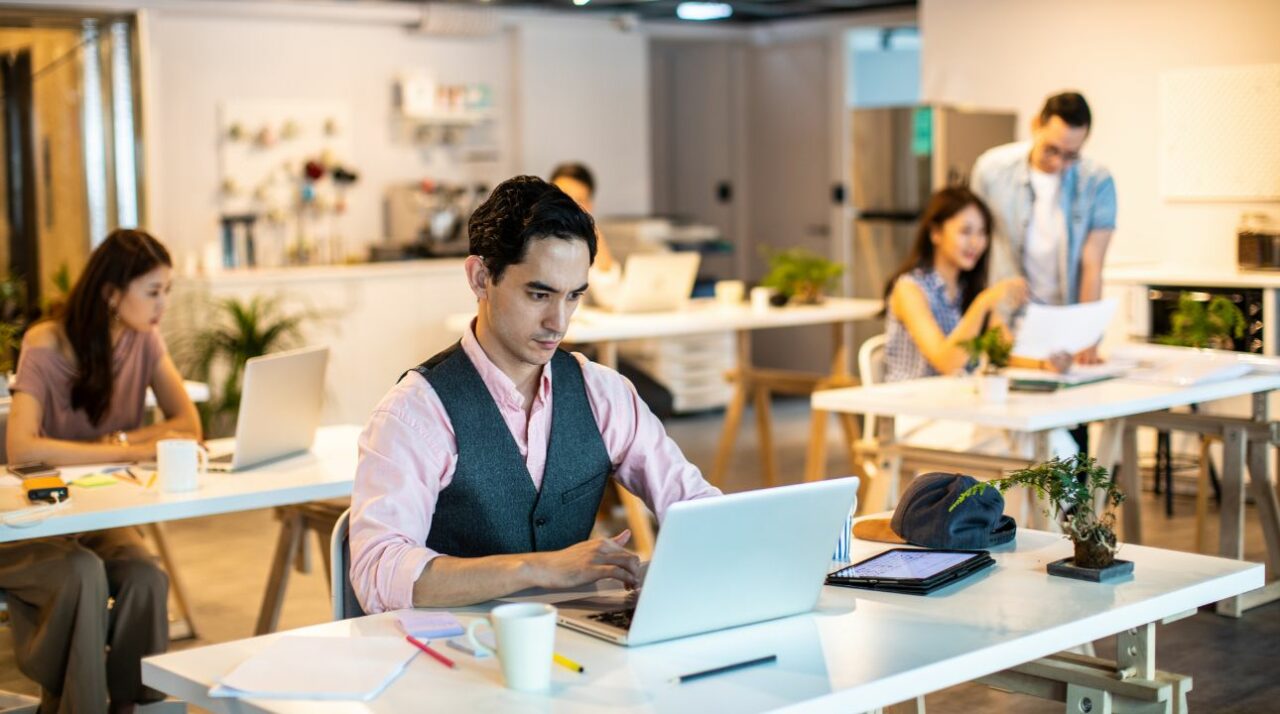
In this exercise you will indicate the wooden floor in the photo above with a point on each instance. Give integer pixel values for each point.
(225, 561)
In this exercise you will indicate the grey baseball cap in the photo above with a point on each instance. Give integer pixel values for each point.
(924, 516)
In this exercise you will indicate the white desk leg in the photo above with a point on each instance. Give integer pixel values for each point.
(1231, 532)
(1036, 515)
(882, 491)
(1109, 447)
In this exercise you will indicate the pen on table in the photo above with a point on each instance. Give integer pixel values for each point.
(436, 655)
(152, 479)
(727, 668)
(566, 662)
(129, 476)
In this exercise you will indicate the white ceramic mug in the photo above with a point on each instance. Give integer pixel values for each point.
(180, 463)
(526, 634)
(760, 297)
(730, 292)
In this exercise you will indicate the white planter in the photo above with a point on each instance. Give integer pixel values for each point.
(993, 388)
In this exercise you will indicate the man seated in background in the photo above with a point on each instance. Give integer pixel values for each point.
(481, 471)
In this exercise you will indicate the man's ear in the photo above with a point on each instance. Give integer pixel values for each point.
(477, 276)
(1035, 123)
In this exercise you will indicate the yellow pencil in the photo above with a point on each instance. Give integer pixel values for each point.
(566, 662)
(152, 479)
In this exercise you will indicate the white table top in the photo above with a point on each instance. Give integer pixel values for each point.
(857, 651)
(1182, 275)
(701, 317)
(198, 391)
(328, 471)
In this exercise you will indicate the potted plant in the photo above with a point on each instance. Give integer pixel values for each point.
(1069, 487)
(989, 354)
(1215, 324)
(238, 331)
(801, 276)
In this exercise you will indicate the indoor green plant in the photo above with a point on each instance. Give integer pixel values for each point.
(1216, 324)
(989, 353)
(239, 331)
(1069, 487)
(801, 275)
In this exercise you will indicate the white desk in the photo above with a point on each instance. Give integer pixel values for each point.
(858, 651)
(198, 391)
(606, 329)
(1117, 403)
(326, 472)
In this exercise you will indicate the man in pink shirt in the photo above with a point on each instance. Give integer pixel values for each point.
(481, 471)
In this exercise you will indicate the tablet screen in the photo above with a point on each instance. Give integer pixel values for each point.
(905, 564)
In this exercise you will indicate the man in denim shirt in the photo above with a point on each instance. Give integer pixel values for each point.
(1055, 210)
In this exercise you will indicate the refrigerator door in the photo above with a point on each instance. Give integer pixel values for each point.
(892, 149)
(961, 136)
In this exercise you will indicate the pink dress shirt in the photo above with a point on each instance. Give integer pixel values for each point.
(408, 454)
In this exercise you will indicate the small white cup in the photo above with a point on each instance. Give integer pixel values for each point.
(526, 634)
(993, 388)
(760, 297)
(180, 463)
(730, 292)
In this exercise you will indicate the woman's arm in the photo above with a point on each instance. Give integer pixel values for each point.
(182, 420)
(25, 443)
(944, 352)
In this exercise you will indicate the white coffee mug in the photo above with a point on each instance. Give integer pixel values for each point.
(760, 297)
(180, 463)
(730, 292)
(526, 634)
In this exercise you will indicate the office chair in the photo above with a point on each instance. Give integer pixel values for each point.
(341, 594)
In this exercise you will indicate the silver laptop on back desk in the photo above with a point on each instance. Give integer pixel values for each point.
(726, 561)
(280, 403)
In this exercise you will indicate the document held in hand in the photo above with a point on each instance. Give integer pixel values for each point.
(1046, 329)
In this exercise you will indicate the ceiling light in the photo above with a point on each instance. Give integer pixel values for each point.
(703, 10)
(580, 3)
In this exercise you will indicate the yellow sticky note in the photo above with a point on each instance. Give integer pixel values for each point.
(95, 480)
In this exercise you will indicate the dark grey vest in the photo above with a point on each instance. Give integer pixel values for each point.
(491, 507)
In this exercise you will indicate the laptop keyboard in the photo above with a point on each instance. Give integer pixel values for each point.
(620, 619)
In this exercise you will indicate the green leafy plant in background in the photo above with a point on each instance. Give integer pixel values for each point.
(1068, 486)
(239, 331)
(801, 275)
(1196, 323)
(14, 319)
(989, 351)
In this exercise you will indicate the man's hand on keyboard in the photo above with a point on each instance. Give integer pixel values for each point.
(587, 562)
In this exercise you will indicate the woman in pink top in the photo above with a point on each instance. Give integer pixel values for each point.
(78, 398)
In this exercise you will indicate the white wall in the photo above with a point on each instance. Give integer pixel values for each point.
(582, 90)
(1010, 54)
(563, 90)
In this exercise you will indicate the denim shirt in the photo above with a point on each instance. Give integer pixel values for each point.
(1002, 177)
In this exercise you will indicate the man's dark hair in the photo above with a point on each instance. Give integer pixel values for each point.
(576, 171)
(1068, 106)
(520, 210)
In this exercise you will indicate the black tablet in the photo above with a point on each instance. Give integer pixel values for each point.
(911, 570)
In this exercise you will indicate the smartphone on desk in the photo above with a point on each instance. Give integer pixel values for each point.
(31, 469)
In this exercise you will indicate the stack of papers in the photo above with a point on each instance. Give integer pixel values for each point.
(1077, 375)
(1048, 329)
(327, 668)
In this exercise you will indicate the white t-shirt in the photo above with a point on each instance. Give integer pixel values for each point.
(1044, 253)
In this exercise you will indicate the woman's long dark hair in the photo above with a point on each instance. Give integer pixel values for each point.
(119, 260)
(943, 206)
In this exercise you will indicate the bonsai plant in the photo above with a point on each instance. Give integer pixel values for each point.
(988, 354)
(1197, 324)
(1068, 486)
(800, 275)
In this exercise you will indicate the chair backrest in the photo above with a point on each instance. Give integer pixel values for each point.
(871, 371)
(341, 594)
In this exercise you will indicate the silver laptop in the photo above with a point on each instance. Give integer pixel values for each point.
(280, 403)
(727, 561)
(654, 282)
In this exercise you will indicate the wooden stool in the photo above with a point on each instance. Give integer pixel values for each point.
(291, 550)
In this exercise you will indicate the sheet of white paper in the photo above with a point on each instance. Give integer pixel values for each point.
(1046, 329)
(1078, 374)
(330, 668)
